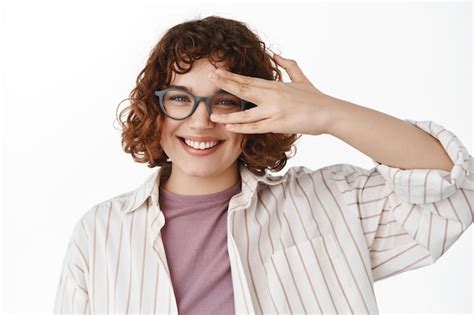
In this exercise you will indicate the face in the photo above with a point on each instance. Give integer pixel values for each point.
(224, 156)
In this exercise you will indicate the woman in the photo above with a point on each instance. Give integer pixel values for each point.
(211, 232)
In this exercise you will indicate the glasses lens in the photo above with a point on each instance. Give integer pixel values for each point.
(178, 104)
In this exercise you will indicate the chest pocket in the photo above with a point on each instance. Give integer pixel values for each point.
(311, 276)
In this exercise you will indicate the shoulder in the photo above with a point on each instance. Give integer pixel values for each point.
(340, 176)
(101, 214)
(329, 172)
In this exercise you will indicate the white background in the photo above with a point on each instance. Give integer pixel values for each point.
(65, 67)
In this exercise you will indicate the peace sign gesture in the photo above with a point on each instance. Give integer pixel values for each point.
(282, 107)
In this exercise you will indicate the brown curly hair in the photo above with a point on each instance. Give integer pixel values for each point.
(218, 39)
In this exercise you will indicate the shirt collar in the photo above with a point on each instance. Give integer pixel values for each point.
(150, 188)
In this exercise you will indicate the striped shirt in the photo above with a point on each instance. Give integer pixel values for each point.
(306, 241)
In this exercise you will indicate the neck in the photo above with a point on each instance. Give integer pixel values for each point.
(185, 184)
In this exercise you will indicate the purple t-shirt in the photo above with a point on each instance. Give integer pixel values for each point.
(195, 241)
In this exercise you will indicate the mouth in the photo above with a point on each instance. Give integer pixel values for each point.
(219, 142)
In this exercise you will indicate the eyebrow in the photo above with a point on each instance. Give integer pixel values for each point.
(190, 90)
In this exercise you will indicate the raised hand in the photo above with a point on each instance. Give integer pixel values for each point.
(282, 107)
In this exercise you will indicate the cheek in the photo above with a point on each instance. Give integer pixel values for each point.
(237, 140)
(167, 131)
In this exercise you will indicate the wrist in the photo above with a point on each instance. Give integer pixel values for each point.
(331, 114)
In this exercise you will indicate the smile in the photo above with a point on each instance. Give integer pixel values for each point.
(200, 152)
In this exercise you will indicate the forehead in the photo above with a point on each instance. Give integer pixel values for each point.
(190, 89)
(196, 79)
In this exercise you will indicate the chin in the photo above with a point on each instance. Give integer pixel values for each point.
(200, 170)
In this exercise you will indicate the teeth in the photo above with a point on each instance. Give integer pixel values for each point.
(201, 145)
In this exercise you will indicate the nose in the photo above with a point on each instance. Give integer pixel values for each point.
(201, 118)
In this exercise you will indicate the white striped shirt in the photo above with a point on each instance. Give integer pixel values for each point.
(311, 241)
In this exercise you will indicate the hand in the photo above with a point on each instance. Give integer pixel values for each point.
(282, 107)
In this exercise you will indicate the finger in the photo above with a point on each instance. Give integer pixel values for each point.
(251, 115)
(292, 68)
(242, 78)
(242, 90)
(250, 128)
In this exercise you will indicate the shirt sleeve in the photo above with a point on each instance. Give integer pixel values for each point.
(72, 290)
(411, 217)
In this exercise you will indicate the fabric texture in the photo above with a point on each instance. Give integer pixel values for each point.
(195, 241)
(308, 241)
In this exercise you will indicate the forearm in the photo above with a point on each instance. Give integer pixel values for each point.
(384, 138)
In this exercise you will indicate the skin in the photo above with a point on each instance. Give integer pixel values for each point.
(192, 175)
(384, 138)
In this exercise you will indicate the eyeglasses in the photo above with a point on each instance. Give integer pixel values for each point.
(180, 104)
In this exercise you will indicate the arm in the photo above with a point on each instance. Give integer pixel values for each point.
(412, 206)
(415, 203)
(72, 294)
(385, 138)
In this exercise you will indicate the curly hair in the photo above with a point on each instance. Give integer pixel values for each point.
(218, 39)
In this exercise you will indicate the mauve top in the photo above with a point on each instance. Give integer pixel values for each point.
(195, 241)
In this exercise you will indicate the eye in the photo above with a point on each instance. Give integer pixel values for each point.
(179, 97)
(228, 102)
